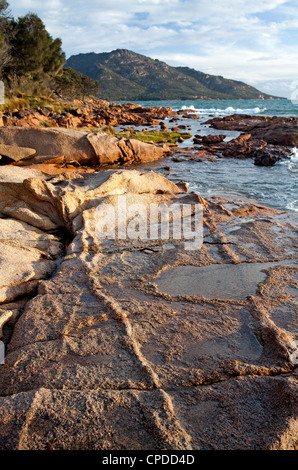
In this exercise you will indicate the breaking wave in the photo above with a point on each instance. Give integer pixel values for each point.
(292, 165)
(293, 206)
(294, 155)
(292, 162)
(228, 110)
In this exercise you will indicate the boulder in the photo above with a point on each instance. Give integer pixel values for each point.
(209, 139)
(269, 155)
(14, 153)
(110, 149)
(27, 255)
(213, 139)
(50, 143)
(68, 146)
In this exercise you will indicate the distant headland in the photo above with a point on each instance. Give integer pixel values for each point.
(126, 75)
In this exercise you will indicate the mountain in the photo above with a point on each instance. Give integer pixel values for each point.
(126, 75)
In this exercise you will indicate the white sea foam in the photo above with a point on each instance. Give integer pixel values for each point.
(228, 110)
(292, 162)
(293, 206)
(294, 155)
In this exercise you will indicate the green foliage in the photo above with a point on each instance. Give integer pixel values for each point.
(13, 104)
(2, 41)
(33, 49)
(32, 61)
(4, 35)
(232, 88)
(153, 136)
(4, 13)
(72, 84)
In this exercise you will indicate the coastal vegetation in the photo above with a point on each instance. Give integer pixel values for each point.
(154, 136)
(32, 65)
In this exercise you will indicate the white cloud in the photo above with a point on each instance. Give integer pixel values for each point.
(235, 38)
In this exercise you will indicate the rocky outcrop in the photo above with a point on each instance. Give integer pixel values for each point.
(91, 113)
(265, 139)
(254, 124)
(269, 155)
(273, 130)
(100, 337)
(245, 146)
(68, 146)
(284, 134)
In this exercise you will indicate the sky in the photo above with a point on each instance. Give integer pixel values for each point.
(253, 42)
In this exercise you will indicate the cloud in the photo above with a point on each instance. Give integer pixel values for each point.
(238, 39)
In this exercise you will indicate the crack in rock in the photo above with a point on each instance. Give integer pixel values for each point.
(100, 359)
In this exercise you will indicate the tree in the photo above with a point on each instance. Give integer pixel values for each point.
(72, 84)
(4, 35)
(55, 59)
(33, 49)
(3, 12)
(90, 87)
(31, 59)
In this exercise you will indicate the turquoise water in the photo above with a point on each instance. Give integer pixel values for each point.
(224, 107)
(275, 186)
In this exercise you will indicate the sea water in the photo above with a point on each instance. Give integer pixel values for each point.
(283, 107)
(235, 179)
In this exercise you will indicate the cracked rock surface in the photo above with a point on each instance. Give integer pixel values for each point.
(131, 344)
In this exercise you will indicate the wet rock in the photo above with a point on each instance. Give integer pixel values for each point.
(286, 135)
(244, 146)
(269, 155)
(190, 116)
(209, 139)
(273, 130)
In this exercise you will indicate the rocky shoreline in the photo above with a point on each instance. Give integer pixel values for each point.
(266, 140)
(92, 113)
(132, 343)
